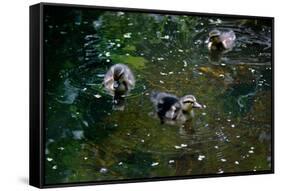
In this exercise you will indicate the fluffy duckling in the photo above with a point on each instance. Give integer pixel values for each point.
(119, 81)
(221, 41)
(171, 109)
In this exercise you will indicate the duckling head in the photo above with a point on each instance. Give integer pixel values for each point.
(214, 36)
(189, 102)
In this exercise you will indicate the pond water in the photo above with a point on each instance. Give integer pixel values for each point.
(86, 140)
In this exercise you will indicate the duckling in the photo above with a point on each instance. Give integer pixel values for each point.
(119, 81)
(221, 41)
(171, 109)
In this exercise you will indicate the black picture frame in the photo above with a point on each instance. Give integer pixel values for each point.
(37, 108)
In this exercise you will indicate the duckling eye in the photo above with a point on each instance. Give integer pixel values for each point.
(188, 101)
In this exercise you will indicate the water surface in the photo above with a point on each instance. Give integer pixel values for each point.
(88, 141)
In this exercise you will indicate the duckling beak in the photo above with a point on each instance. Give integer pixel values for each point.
(197, 105)
(115, 85)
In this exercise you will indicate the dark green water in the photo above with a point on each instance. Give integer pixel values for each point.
(88, 141)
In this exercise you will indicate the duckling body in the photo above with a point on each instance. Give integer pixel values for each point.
(221, 41)
(119, 79)
(171, 109)
(118, 82)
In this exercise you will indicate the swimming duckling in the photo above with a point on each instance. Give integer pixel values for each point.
(171, 109)
(221, 41)
(119, 81)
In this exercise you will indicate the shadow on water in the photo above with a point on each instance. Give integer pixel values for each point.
(87, 140)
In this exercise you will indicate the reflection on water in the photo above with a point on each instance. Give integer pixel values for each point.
(88, 141)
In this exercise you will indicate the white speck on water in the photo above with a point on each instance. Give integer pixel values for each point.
(183, 145)
(63, 32)
(97, 96)
(200, 73)
(54, 167)
(238, 136)
(232, 125)
(85, 123)
(103, 170)
(221, 75)
(128, 134)
(107, 60)
(127, 35)
(84, 89)
(78, 134)
(148, 134)
(236, 162)
(61, 148)
(223, 160)
(177, 147)
(142, 140)
(171, 161)
(127, 54)
(85, 158)
(100, 75)
(216, 147)
(252, 148)
(204, 113)
(228, 120)
(120, 163)
(163, 74)
(107, 54)
(49, 159)
(130, 24)
(223, 64)
(118, 45)
(184, 63)
(171, 73)
(155, 164)
(251, 151)
(160, 58)
(161, 82)
(220, 171)
(180, 50)
(201, 157)
(165, 37)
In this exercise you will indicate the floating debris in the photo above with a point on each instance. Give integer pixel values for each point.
(252, 148)
(85, 123)
(171, 73)
(251, 151)
(228, 120)
(220, 171)
(177, 147)
(165, 37)
(49, 159)
(216, 147)
(107, 54)
(223, 160)
(160, 58)
(127, 35)
(54, 167)
(85, 158)
(78, 134)
(142, 140)
(238, 136)
(171, 161)
(184, 63)
(97, 96)
(161, 82)
(201, 157)
(163, 74)
(180, 50)
(232, 125)
(155, 164)
(223, 64)
(183, 145)
(103, 170)
(61, 148)
(236, 162)
(204, 113)
(120, 163)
